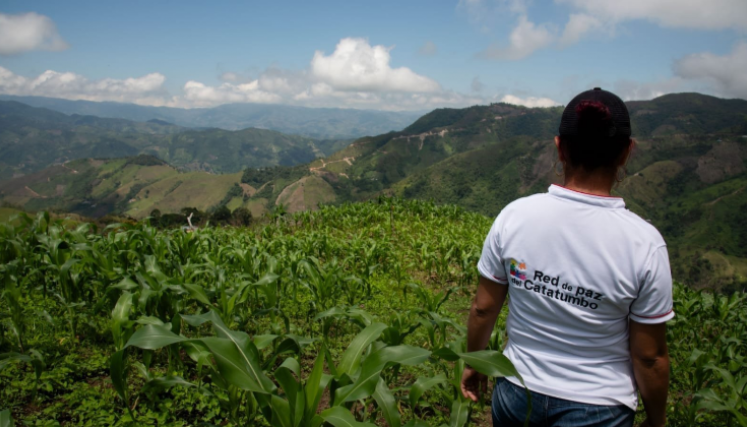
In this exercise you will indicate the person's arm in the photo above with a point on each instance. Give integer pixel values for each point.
(482, 316)
(648, 350)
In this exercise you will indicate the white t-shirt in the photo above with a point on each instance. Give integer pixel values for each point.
(578, 266)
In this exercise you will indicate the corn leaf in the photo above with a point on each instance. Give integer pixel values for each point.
(422, 385)
(236, 367)
(491, 363)
(281, 412)
(352, 355)
(313, 388)
(160, 384)
(153, 337)
(388, 405)
(373, 365)
(338, 416)
(117, 372)
(459, 412)
(197, 292)
(286, 376)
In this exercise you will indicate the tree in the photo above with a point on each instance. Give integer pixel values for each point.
(222, 215)
(242, 217)
(155, 218)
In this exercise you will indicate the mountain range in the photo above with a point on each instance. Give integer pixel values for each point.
(33, 138)
(317, 123)
(687, 175)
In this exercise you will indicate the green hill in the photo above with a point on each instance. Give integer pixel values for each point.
(389, 158)
(34, 138)
(130, 186)
(690, 113)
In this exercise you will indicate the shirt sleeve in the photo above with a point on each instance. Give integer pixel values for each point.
(654, 303)
(490, 265)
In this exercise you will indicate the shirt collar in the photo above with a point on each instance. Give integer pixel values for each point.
(590, 199)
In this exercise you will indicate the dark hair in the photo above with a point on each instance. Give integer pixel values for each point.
(592, 147)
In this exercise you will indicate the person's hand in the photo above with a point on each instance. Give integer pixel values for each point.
(647, 423)
(473, 383)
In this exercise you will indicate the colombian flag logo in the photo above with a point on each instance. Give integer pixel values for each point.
(518, 269)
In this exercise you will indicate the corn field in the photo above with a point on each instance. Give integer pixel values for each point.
(347, 316)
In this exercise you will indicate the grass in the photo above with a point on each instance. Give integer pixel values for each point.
(316, 191)
(725, 267)
(125, 186)
(306, 194)
(197, 189)
(649, 186)
(258, 207)
(235, 203)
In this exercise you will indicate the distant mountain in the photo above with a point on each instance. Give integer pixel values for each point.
(318, 123)
(690, 113)
(15, 115)
(34, 138)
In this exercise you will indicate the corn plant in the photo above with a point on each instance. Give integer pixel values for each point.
(252, 326)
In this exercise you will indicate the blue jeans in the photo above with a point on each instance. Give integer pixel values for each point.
(510, 409)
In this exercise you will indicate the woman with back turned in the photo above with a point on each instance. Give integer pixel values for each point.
(590, 288)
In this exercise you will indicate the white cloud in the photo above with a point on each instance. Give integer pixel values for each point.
(428, 49)
(355, 75)
(695, 14)
(525, 38)
(355, 65)
(284, 82)
(719, 75)
(724, 74)
(198, 94)
(145, 90)
(530, 101)
(528, 37)
(28, 31)
(578, 25)
(272, 86)
(597, 17)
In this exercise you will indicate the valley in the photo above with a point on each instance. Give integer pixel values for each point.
(35, 138)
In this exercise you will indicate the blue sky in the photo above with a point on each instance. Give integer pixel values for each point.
(390, 55)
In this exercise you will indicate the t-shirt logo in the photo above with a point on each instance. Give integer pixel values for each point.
(518, 270)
